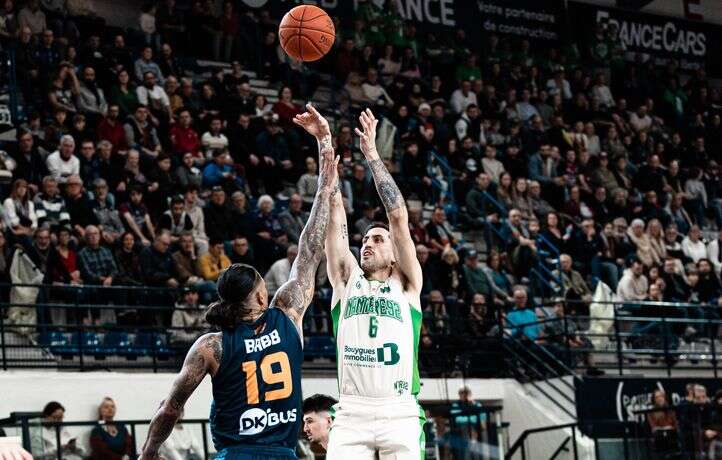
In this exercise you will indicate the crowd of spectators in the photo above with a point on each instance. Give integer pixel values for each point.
(132, 169)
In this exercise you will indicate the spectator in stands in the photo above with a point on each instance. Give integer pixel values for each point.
(500, 281)
(110, 129)
(633, 285)
(213, 262)
(214, 140)
(476, 280)
(45, 440)
(110, 439)
(693, 246)
(162, 184)
(91, 98)
(157, 264)
(152, 95)
(449, 275)
(462, 97)
(280, 271)
(270, 238)
(19, 211)
(439, 231)
(436, 316)
(241, 251)
(184, 138)
(195, 212)
(106, 215)
(522, 319)
(96, 263)
(127, 257)
(140, 134)
(29, 163)
(145, 64)
(221, 173)
(643, 245)
(124, 94)
(218, 217)
(308, 183)
(188, 320)
(181, 444)
(187, 267)
(519, 244)
(572, 283)
(63, 163)
(89, 164)
(62, 265)
(714, 253)
(187, 173)
(136, 217)
(294, 218)
(176, 220)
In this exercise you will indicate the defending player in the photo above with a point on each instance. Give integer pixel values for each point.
(255, 361)
(377, 321)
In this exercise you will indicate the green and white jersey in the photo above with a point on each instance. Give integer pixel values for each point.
(377, 330)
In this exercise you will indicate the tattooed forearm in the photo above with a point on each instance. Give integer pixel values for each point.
(195, 368)
(344, 231)
(386, 187)
(325, 143)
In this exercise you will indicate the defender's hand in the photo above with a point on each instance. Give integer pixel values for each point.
(368, 136)
(313, 122)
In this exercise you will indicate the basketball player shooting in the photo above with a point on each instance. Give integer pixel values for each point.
(255, 360)
(377, 321)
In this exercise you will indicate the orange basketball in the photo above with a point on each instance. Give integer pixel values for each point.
(306, 33)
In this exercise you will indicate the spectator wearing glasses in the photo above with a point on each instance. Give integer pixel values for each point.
(241, 251)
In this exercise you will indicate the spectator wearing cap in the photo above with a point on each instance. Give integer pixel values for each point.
(136, 217)
(308, 183)
(63, 163)
(175, 219)
(45, 440)
(294, 218)
(106, 215)
(188, 321)
(50, 205)
(218, 216)
(96, 263)
(476, 280)
(213, 262)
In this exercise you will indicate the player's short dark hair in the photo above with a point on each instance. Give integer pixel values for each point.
(376, 225)
(234, 286)
(318, 403)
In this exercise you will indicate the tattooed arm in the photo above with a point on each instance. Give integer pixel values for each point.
(295, 295)
(203, 358)
(393, 201)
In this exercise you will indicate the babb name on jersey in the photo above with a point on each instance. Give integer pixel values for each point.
(262, 342)
(366, 305)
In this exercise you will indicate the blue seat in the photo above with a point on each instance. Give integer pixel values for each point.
(89, 342)
(152, 344)
(320, 346)
(58, 343)
(117, 343)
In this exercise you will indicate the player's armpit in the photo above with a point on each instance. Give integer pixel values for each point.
(203, 358)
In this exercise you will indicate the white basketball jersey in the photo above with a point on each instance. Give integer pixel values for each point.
(377, 338)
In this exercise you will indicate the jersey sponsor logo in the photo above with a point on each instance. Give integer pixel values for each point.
(388, 355)
(366, 305)
(254, 421)
(262, 342)
(401, 387)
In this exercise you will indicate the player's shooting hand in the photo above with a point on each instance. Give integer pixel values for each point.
(313, 122)
(368, 133)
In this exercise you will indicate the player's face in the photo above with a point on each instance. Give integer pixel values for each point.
(377, 251)
(316, 426)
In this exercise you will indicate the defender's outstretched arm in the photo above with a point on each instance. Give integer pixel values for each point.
(296, 294)
(394, 203)
(203, 358)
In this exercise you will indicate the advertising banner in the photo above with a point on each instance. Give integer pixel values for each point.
(619, 398)
(660, 38)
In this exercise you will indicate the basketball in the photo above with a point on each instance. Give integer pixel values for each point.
(306, 33)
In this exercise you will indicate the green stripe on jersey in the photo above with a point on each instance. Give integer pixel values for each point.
(416, 317)
(335, 316)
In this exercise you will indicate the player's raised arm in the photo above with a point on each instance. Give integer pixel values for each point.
(203, 358)
(394, 203)
(295, 295)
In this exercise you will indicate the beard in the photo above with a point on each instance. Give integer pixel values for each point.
(374, 264)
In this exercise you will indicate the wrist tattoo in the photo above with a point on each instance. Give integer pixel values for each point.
(325, 143)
